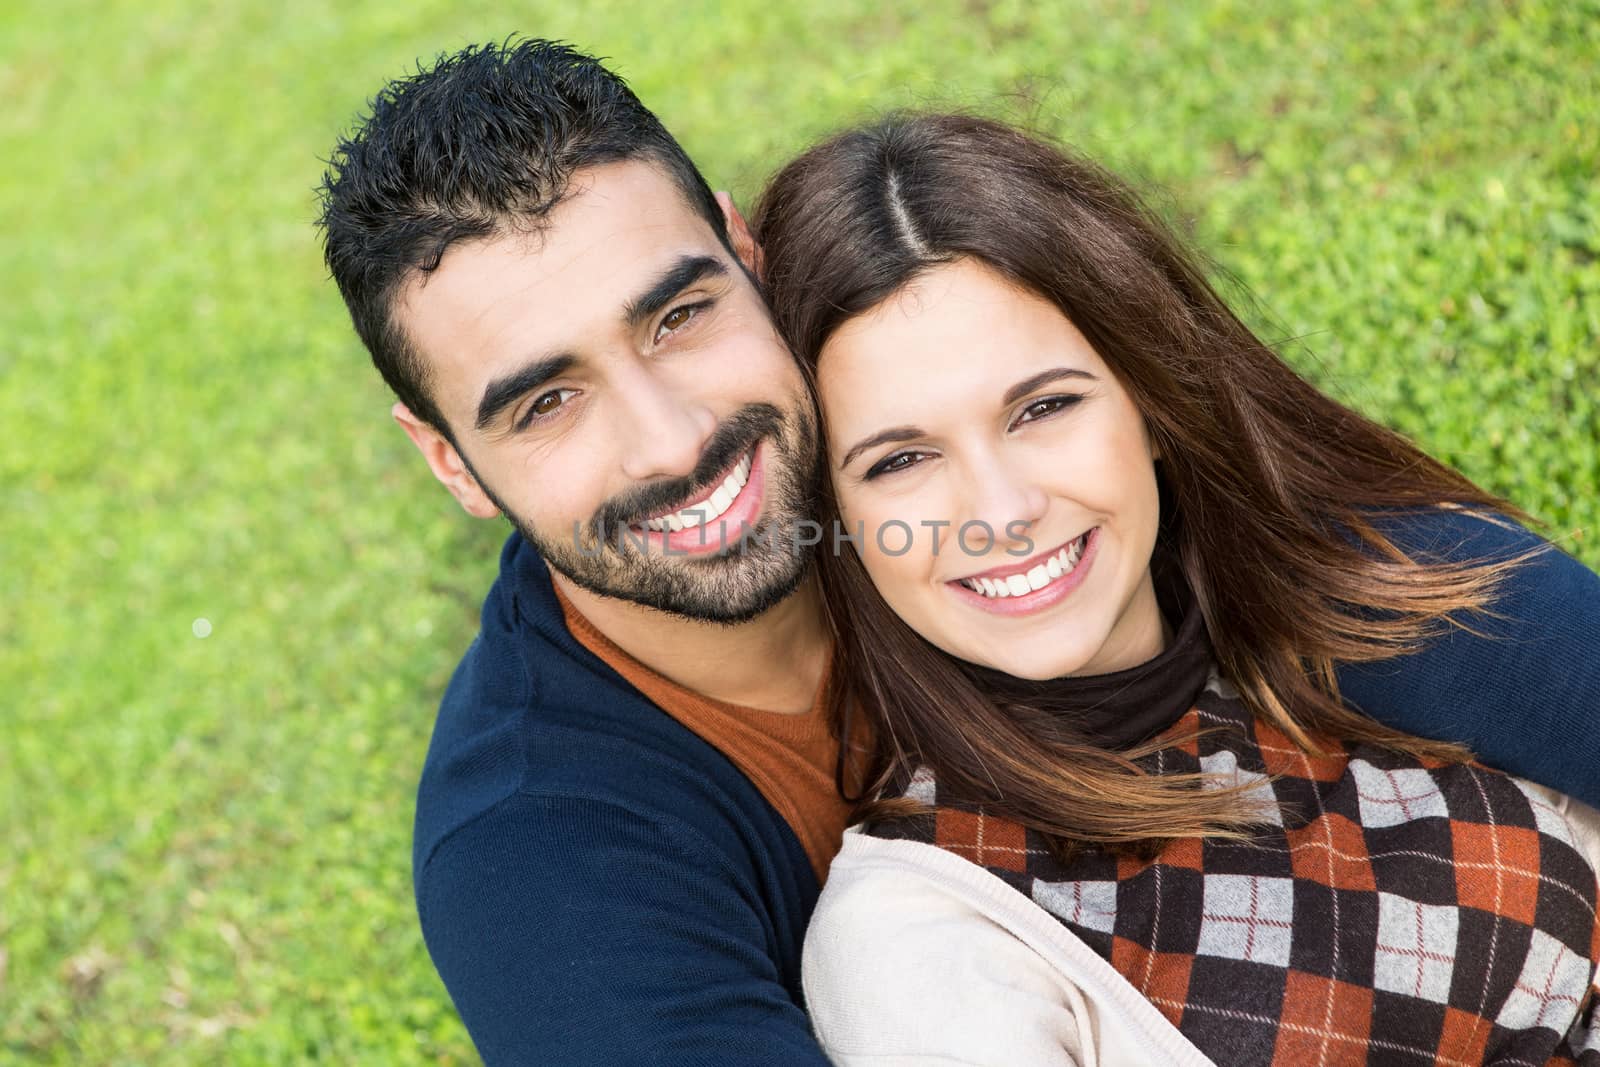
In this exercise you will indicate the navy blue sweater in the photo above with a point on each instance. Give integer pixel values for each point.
(598, 886)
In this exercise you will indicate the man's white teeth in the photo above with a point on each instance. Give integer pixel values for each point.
(1036, 578)
(720, 500)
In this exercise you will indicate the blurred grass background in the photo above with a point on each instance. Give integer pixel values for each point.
(204, 846)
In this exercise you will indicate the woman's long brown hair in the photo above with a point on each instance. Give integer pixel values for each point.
(1274, 487)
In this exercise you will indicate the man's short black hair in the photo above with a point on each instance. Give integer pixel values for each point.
(484, 142)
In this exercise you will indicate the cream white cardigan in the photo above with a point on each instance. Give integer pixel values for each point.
(916, 956)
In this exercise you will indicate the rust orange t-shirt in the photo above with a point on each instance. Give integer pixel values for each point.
(789, 758)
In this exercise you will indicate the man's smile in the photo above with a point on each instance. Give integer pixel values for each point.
(708, 505)
(735, 500)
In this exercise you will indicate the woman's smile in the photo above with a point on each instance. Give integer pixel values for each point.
(1033, 584)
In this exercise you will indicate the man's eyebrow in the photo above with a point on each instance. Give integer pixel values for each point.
(892, 435)
(1028, 385)
(504, 391)
(678, 277)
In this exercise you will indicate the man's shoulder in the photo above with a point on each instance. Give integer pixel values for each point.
(1518, 684)
(530, 714)
(1546, 592)
(1454, 533)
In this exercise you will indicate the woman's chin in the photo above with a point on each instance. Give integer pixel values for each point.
(1037, 673)
(1042, 666)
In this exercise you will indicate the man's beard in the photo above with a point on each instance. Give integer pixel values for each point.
(733, 585)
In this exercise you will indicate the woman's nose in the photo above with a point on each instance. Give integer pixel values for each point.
(1007, 501)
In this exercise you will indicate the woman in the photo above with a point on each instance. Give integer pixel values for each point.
(1122, 814)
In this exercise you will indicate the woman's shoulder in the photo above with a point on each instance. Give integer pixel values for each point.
(915, 950)
(895, 961)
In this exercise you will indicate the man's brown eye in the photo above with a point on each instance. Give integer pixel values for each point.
(544, 404)
(675, 318)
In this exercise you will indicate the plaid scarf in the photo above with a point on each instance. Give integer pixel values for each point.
(1391, 910)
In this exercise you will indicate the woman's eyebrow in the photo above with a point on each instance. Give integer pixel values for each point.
(896, 434)
(1028, 385)
(882, 437)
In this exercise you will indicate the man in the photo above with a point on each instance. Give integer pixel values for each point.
(629, 802)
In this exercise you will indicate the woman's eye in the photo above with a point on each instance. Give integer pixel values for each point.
(1048, 406)
(897, 462)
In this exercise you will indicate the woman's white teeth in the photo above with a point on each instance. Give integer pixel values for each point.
(1036, 578)
(720, 500)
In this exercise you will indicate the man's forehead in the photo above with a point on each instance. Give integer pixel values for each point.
(504, 298)
(630, 192)
(622, 221)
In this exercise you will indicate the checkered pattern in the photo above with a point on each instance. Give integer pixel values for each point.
(1389, 911)
(1416, 952)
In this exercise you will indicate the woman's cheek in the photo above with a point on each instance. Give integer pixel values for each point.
(888, 535)
(866, 524)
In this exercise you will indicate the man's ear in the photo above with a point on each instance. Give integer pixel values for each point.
(744, 244)
(446, 464)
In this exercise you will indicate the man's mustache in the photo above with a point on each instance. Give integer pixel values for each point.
(737, 435)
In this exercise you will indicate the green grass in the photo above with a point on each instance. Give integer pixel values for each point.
(204, 851)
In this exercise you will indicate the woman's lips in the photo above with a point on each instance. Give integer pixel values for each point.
(1014, 577)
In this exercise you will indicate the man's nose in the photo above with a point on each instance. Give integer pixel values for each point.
(665, 427)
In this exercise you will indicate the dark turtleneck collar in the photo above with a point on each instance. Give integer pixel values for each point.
(1122, 709)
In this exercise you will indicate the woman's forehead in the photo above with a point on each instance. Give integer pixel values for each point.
(956, 332)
